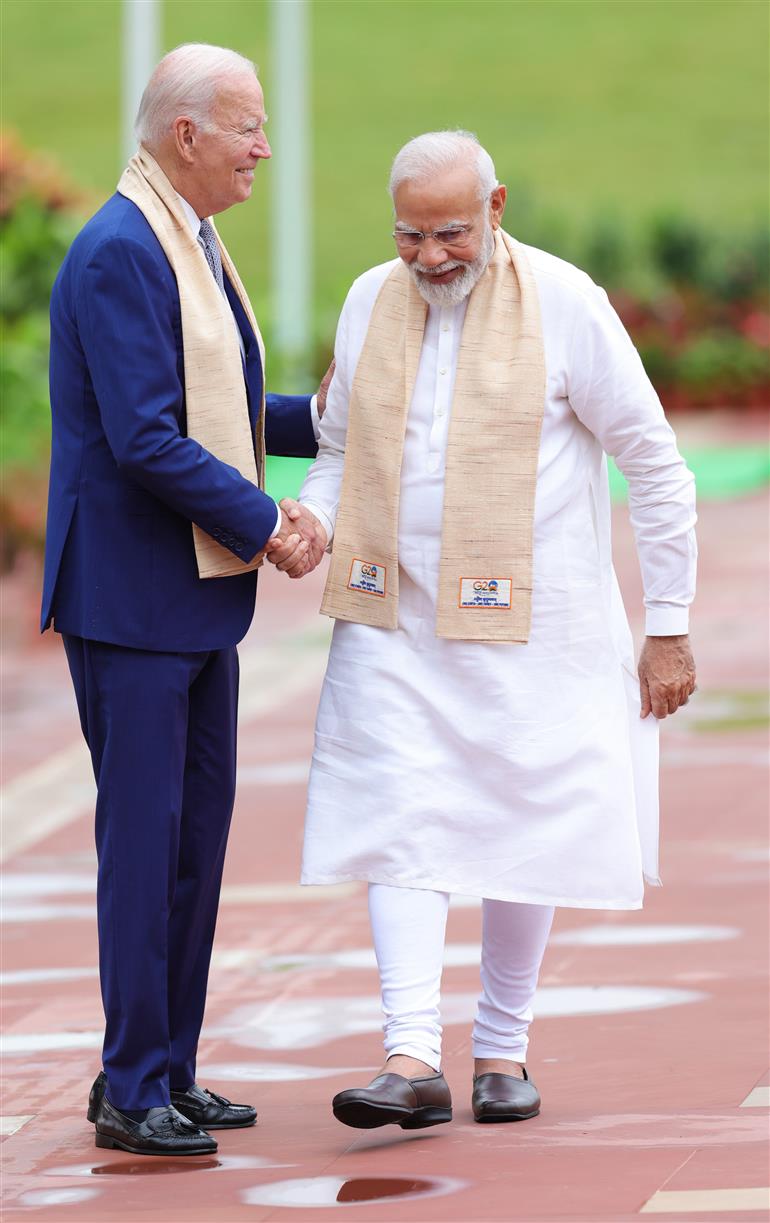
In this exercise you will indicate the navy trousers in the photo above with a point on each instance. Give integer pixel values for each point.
(161, 729)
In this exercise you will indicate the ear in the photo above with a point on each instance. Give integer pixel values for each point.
(184, 133)
(497, 205)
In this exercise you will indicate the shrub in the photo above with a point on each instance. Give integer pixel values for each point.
(678, 249)
(36, 228)
(720, 367)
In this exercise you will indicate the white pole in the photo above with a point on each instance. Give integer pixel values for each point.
(141, 52)
(287, 105)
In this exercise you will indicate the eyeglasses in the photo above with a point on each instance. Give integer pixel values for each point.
(456, 236)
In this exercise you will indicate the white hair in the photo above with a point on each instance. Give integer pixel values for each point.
(434, 152)
(185, 82)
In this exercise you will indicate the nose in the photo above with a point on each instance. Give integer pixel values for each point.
(431, 253)
(262, 146)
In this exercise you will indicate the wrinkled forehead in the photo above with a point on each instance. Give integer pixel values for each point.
(449, 196)
(240, 98)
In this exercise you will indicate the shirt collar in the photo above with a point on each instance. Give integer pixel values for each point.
(193, 220)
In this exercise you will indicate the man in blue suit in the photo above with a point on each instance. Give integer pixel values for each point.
(151, 645)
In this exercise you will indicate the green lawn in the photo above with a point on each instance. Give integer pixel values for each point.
(619, 109)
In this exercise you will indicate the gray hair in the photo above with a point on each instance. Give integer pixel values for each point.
(434, 152)
(185, 82)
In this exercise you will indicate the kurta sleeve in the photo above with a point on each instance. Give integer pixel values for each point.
(321, 489)
(613, 397)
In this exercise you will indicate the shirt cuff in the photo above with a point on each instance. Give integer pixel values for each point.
(277, 522)
(315, 418)
(324, 520)
(667, 621)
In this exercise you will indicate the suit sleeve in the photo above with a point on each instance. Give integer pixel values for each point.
(290, 426)
(128, 324)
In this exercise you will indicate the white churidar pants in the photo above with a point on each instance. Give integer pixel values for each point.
(408, 929)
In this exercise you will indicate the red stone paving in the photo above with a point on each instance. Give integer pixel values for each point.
(635, 1100)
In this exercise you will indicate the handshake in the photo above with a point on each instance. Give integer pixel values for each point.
(299, 544)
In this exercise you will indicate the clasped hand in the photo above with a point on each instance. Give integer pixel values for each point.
(299, 544)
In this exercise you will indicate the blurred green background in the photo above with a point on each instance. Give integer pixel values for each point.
(626, 109)
(633, 136)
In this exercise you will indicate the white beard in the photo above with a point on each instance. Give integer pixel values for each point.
(456, 290)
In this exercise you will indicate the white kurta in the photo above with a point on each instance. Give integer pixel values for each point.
(517, 772)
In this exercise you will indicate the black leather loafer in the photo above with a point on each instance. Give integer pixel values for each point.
(410, 1103)
(164, 1131)
(210, 1111)
(203, 1108)
(504, 1097)
(98, 1088)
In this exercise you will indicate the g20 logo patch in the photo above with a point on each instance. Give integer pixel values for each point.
(368, 578)
(485, 592)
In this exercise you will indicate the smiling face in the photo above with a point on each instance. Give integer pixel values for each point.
(445, 204)
(220, 160)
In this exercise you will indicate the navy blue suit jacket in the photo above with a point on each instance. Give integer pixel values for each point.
(126, 481)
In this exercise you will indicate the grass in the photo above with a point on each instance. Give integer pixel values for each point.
(591, 108)
(720, 474)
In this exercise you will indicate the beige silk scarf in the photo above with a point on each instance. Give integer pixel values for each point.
(215, 390)
(485, 574)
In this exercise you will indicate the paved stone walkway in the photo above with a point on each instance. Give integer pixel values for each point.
(650, 1045)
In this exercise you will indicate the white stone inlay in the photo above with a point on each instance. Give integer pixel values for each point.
(455, 955)
(297, 1023)
(758, 853)
(283, 773)
(13, 1044)
(12, 1125)
(52, 883)
(699, 1201)
(21, 911)
(758, 1097)
(45, 976)
(54, 793)
(231, 958)
(273, 1072)
(57, 1197)
(629, 934)
(45, 798)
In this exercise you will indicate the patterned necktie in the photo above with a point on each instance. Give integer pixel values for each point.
(208, 241)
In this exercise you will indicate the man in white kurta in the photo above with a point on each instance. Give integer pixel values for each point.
(519, 773)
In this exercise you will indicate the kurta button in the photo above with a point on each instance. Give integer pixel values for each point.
(442, 371)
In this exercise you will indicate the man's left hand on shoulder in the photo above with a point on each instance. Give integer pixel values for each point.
(323, 389)
(666, 675)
